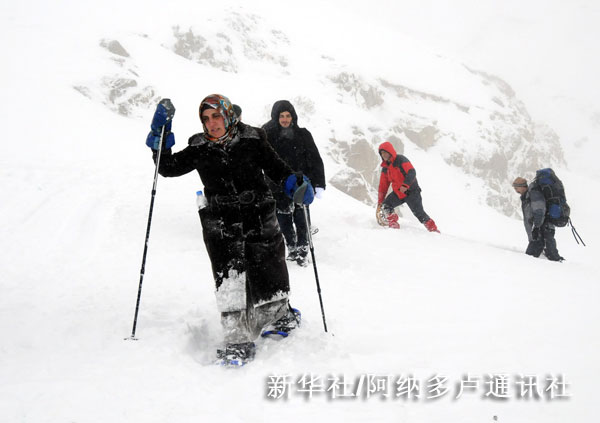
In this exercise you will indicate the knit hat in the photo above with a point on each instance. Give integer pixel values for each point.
(519, 182)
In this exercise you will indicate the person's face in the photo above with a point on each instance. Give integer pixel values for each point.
(385, 156)
(214, 122)
(521, 190)
(285, 119)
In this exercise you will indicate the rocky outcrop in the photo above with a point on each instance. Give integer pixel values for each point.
(493, 138)
(122, 91)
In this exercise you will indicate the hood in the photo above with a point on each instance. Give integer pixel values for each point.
(281, 106)
(389, 148)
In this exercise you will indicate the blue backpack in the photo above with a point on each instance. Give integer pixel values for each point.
(557, 209)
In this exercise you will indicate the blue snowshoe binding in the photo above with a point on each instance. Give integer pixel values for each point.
(285, 325)
(236, 355)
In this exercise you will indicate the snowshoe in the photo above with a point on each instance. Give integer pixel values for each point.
(285, 325)
(236, 355)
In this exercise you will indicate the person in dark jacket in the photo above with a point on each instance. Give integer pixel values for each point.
(540, 233)
(297, 148)
(397, 171)
(240, 229)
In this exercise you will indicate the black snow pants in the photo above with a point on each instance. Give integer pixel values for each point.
(247, 254)
(545, 243)
(293, 227)
(414, 201)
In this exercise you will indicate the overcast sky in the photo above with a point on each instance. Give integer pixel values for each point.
(543, 48)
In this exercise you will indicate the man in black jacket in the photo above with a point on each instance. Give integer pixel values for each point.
(239, 224)
(540, 233)
(297, 148)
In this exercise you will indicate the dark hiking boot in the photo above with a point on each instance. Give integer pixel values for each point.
(285, 325)
(236, 355)
(302, 256)
(292, 254)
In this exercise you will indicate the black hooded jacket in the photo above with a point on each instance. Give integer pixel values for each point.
(228, 169)
(295, 145)
(239, 224)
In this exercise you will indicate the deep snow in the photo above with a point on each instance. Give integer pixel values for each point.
(76, 181)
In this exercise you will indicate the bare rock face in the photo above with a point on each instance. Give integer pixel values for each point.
(210, 45)
(123, 90)
(360, 171)
(493, 139)
(114, 47)
(196, 48)
(125, 96)
(126, 91)
(424, 138)
(349, 84)
(352, 183)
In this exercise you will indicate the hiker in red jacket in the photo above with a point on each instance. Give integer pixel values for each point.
(400, 173)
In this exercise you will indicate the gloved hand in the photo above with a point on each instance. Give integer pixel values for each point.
(535, 233)
(153, 141)
(298, 187)
(163, 117)
(291, 183)
(319, 192)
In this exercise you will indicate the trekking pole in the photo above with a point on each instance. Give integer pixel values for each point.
(312, 254)
(576, 234)
(170, 110)
(298, 199)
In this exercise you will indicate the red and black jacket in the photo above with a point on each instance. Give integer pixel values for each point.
(398, 171)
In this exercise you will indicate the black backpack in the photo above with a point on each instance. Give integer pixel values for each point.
(557, 209)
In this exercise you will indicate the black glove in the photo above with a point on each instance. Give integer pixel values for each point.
(535, 233)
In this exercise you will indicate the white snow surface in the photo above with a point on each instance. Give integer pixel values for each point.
(76, 178)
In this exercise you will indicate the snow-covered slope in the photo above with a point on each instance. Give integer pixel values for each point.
(76, 177)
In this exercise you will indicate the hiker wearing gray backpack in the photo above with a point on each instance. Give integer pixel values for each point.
(540, 231)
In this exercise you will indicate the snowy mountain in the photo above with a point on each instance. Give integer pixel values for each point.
(472, 119)
(462, 308)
